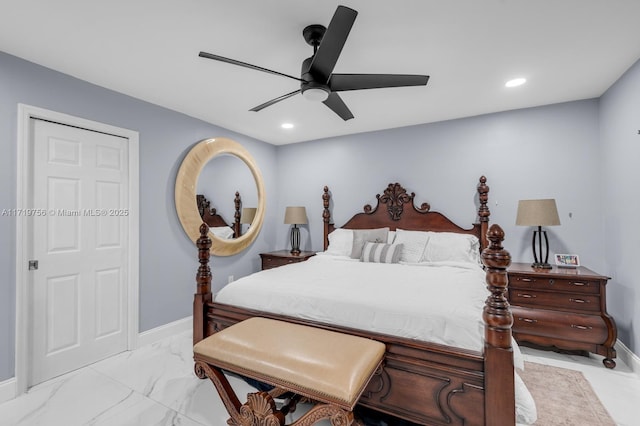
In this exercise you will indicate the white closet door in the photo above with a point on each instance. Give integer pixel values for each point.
(80, 240)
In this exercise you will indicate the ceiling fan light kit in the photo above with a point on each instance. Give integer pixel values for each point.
(318, 83)
(315, 94)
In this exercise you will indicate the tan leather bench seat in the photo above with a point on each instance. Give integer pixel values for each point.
(322, 365)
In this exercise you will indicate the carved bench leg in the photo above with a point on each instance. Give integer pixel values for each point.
(260, 408)
(336, 415)
(222, 385)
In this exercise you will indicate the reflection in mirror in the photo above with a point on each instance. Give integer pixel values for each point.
(218, 226)
(248, 214)
(221, 182)
(232, 171)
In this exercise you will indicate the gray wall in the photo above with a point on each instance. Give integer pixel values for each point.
(167, 257)
(579, 153)
(620, 154)
(545, 152)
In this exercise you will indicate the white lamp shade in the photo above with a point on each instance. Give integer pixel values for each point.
(247, 215)
(295, 216)
(537, 213)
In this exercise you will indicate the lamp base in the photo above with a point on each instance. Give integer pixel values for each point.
(537, 265)
(540, 261)
(295, 240)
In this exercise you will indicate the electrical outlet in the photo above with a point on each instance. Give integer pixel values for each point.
(230, 279)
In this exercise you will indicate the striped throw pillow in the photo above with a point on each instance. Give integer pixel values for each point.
(381, 253)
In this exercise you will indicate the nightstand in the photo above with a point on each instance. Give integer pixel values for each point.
(283, 257)
(564, 308)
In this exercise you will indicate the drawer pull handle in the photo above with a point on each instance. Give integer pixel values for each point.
(526, 280)
(579, 284)
(581, 327)
(529, 320)
(579, 300)
(527, 296)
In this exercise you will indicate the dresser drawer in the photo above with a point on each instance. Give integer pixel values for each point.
(274, 262)
(576, 285)
(555, 324)
(278, 258)
(542, 299)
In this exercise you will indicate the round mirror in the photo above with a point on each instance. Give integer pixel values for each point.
(186, 190)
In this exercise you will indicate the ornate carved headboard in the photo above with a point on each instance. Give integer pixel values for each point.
(396, 208)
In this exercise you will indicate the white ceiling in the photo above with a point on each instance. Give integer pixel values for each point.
(148, 49)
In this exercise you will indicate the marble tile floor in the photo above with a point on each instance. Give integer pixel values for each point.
(155, 385)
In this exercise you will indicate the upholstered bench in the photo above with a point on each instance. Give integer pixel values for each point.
(329, 368)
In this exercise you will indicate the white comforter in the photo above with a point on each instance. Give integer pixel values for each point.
(439, 303)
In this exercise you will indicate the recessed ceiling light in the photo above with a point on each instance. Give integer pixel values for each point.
(515, 82)
(287, 126)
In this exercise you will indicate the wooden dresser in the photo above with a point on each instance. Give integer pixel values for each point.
(283, 257)
(565, 308)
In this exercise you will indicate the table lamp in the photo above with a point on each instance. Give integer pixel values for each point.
(295, 216)
(538, 213)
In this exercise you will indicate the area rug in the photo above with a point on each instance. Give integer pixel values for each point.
(563, 397)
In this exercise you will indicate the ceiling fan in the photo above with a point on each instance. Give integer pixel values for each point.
(317, 80)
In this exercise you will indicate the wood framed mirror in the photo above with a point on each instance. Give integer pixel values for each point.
(186, 189)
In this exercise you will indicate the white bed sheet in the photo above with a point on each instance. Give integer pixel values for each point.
(439, 303)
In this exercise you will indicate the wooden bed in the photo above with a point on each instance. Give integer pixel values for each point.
(211, 217)
(422, 382)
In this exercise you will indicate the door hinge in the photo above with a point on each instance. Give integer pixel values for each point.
(33, 265)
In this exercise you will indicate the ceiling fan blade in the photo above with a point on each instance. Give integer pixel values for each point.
(344, 82)
(273, 101)
(336, 104)
(244, 64)
(332, 43)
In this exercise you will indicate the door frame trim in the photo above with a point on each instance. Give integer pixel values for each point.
(23, 320)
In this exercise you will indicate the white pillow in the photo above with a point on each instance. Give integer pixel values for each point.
(223, 232)
(340, 242)
(450, 246)
(391, 236)
(361, 236)
(414, 244)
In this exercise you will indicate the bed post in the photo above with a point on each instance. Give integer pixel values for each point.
(203, 285)
(483, 211)
(326, 215)
(498, 353)
(237, 230)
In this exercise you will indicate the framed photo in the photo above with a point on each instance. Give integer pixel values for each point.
(567, 260)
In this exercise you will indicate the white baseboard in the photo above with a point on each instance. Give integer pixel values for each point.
(628, 357)
(155, 334)
(7, 390)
